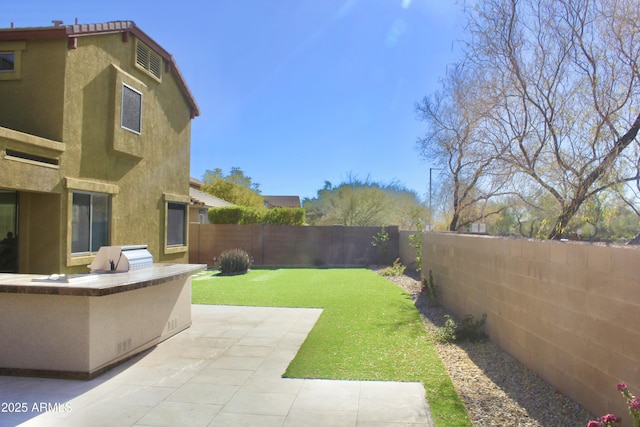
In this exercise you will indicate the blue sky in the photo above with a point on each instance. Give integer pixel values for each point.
(294, 92)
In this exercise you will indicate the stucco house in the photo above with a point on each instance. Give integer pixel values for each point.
(282, 201)
(95, 124)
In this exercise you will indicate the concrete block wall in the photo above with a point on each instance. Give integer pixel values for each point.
(569, 311)
(285, 246)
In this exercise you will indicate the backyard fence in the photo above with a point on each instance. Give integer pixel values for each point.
(569, 311)
(283, 245)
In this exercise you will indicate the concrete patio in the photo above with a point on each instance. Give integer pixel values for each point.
(223, 371)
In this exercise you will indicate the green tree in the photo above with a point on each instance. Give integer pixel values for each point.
(236, 187)
(365, 203)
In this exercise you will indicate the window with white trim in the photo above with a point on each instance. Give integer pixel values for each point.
(176, 224)
(148, 60)
(89, 221)
(131, 114)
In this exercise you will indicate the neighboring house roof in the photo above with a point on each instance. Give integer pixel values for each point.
(72, 32)
(206, 200)
(282, 201)
(199, 197)
(195, 183)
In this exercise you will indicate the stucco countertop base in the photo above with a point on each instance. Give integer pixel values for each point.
(83, 328)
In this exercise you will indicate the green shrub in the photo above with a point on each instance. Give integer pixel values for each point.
(226, 215)
(234, 261)
(285, 216)
(446, 333)
(468, 330)
(251, 215)
(430, 290)
(397, 269)
(415, 241)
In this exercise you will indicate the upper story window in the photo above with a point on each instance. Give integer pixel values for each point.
(148, 60)
(11, 59)
(7, 61)
(131, 109)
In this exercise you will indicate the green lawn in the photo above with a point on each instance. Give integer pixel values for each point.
(369, 329)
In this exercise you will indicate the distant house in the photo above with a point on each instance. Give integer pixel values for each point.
(201, 202)
(95, 124)
(282, 201)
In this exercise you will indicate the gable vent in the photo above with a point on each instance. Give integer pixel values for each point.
(148, 60)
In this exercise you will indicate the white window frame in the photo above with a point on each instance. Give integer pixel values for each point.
(90, 249)
(122, 109)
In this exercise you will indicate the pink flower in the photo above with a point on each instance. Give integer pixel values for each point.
(622, 387)
(635, 404)
(594, 423)
(609, 419)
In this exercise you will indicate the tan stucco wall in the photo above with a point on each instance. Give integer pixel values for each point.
(40, 233)
(159, 165)
(72, 99)
(37, 98)
(569, 311)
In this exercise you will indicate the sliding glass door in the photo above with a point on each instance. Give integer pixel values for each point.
(8, 232)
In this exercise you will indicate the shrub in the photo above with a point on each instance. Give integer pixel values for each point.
(415, 241)
(468, 330)
(381, 242)
(446, 333)
(226, 215)
(234, 261)
(285, 216)
(250, 215)
(430, 289)
(396, 270)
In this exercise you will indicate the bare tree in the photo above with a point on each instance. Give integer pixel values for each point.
(566, 76)
(456, 140)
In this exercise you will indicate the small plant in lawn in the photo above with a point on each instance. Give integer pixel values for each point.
(234, 261)
(397, 269)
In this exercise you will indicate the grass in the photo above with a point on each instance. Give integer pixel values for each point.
(369, 328)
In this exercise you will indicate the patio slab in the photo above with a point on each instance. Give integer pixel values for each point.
(224, 370)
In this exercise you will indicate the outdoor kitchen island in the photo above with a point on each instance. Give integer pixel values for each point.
(80, 326)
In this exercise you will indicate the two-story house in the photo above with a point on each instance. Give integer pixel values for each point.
(95, 125)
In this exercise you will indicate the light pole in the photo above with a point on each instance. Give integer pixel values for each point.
(430, 205)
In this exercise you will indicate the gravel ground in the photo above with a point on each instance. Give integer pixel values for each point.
(496, 389)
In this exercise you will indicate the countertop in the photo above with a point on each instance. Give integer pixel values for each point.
(96, 284)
